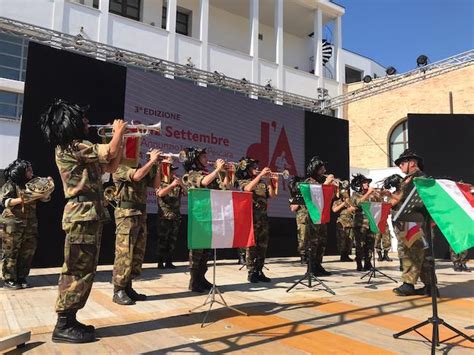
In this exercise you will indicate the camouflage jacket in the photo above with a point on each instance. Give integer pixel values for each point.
(130, 191)
(360, 220)
(194, 180)
(17, 214)
(81, 166)
(345, 218)
(260, 196)
(168, 206)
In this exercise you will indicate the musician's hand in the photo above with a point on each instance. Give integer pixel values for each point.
(119, 126)
(265, 171)
(329, 179)
(175, 182)
(155, 155)
(220, 164)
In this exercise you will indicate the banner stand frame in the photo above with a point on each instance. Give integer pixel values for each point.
(211, 297)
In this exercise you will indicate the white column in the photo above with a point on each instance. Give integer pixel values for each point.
(58, 15)
(318, 46)
(204, 35)
(337, 54)
(171, 28)
(254, 28)
(103, 21)
(279, 43)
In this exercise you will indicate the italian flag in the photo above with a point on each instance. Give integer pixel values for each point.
(376, 213)
(451, 205)
(317, 199)
(219, 219)
(413, 233)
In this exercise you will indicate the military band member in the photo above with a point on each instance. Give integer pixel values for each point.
(252, 180)
(18, 224)
(197, 176)
(363, 237)
(345, 220)
(80, 164)
(414, 262)
(169, 218)
(131, 229)
(302, 216)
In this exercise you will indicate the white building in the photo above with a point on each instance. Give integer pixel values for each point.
(264, 41)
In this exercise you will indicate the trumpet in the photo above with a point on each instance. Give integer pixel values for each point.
(181, 156)
(231, 166)
(133, 130)
(285, 174)
(335, 181)
(110, 195)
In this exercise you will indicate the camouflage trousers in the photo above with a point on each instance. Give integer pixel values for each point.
(255, 255)
(19, 246)
(130, 244)
(314, 237)
(414, 263)
(460, 258)
(301, 230)
(364, 243)
(81, 254)
(383, 240)
(198, 259)
(168, 231)
(344, 237)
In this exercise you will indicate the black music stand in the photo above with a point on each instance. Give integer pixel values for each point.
(413, 210)
(372, 273)
(311, 278)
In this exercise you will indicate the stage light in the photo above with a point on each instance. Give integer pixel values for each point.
(367, 79)
(422, 61)
(391, 71)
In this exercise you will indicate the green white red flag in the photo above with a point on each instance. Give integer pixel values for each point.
(451, 206)
(219, 219)
(317, 199)
(377, 214)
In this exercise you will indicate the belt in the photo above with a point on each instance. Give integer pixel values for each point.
(132, 205)
(84, 198)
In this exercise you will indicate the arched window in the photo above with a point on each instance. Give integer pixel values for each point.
(398, 141)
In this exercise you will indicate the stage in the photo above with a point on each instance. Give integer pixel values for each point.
(359, 319)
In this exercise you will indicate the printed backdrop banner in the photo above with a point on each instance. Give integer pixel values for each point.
(229, 125)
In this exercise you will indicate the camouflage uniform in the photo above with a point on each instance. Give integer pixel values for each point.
(302, 228)
(383, 240)
(19, 229)
(344, 233)
(459, 260)
(198, 257)
(363, 237)
(255, 255)
(83, 219)
(414, 262)
(169, 220)
(130, 220)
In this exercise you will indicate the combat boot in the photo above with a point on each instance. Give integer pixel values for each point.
(261, 277)
(457, 267)
(134, 295)
(120, 297)
(345, 258)
(11, 284)
(67, 330)
(318, 270)
(194, 284)
(253, 276)
(23, 283)
(385, 256)
(359, 265)
(206, 285)
(367, 265)
(405, 290)
(303, 260)
(380, 256)
(87, 328)
(160, 264)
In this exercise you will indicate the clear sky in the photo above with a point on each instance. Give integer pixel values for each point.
(396, 32)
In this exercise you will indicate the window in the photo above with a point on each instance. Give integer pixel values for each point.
(11, 105)
(13, 54)
(398, 141)
(353, 75)
(126, 8)
(182, 21)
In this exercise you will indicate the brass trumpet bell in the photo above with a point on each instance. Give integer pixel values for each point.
(133, 130)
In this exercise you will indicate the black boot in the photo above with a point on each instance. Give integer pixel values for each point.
(405, 290)
(367, 265)
(253, 276)
(160, 263)
(385, 256)
(457, 267)
(318, 270)
(67, 330)
(261, 276)
(134, 295)
(11, 284)
(120, 297)
(426, 291)
(87, 328)
(380, 256)
(169, 264)
(359, 265)
(194, 284)
(23, 283)
(303, 260)
(206, 285)
(345, 258)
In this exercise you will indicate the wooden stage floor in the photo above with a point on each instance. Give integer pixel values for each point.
(359, 319)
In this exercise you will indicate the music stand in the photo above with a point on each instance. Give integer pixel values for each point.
(372, 273)
(211, 297)
(413, 210)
